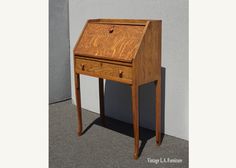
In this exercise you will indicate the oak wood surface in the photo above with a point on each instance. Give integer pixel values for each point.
(104, 70)
(103, 60)
(122, 50)
(119, 42)
(148, 56)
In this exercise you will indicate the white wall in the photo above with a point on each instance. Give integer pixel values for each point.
(174, 15)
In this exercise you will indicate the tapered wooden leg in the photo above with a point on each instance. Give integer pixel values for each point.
(135, 120)
(78, 103)
(158, 111)
(101, 100)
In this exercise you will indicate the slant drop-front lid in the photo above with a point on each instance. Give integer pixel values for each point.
(117, 42)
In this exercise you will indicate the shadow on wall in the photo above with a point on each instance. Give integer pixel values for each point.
(118, 102)
(118, 107)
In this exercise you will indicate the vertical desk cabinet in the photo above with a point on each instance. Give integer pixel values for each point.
(121, 50)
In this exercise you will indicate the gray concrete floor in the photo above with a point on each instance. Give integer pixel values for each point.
(106, 147)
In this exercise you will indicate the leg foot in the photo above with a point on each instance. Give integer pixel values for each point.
(135, 156)
(79, 133)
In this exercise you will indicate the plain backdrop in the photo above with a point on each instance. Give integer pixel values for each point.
(174, 16)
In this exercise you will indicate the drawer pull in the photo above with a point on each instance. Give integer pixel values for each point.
(111, 29)
(82, 67)
(120, 73)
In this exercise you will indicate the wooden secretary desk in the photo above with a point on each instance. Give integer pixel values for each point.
(121, 50)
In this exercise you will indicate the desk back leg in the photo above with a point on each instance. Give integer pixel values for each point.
(101, 100)
(158, 111)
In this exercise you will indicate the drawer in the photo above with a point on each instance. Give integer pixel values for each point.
(110, 41)
(110, 71)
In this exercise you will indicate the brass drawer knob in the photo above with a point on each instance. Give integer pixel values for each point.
(111, 29)
(82, 67)
(120, 73)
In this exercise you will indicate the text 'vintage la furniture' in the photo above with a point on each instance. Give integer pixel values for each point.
(122, 50)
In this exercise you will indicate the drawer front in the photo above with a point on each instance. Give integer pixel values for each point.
(110, 41)
(104, 70)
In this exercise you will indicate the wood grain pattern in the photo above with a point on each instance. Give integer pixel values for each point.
(77, 42)
(104, 60)
(122, 50)
(104, 70)
(100, 42)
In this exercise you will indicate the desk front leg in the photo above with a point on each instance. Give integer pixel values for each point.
(78, 102)
(135, 119)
